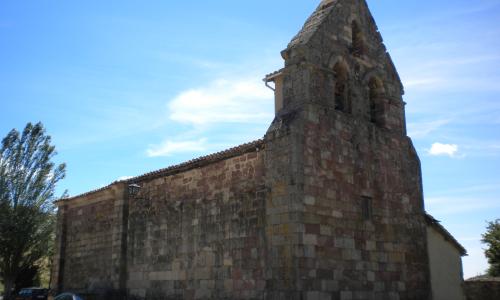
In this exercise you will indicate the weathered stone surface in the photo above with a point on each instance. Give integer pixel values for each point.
(328, 206)
(89, 235)
(483, 288)
(201, 230)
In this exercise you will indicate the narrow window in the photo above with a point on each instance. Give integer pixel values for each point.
(375, 95)
(358, 43)
(341, 92)
(340, 96)
(366, 208)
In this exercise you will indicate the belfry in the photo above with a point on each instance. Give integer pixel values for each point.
(328, 205)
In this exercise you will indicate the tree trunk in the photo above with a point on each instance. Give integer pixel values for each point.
(8, 285)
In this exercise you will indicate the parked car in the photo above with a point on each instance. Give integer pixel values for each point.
(32, 293)
(68, 296)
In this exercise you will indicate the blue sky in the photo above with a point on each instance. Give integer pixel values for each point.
(126, 87)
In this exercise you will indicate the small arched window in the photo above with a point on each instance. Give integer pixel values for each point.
(376, 93)
(358, 40)
(341, 91)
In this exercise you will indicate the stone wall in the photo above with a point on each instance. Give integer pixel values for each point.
(200, 234)
(363, 209)
(197, 232)
(329, 206)
(483, 289)
(88, 243)
(284, 208)
(352, 192)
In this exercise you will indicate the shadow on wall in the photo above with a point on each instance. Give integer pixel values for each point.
(101, 290)
(483, 288)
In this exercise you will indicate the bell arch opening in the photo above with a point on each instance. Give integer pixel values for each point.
(341, 92)
(358, 45)
(376, 93)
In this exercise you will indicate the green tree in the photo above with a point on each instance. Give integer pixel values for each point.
(28, 179)
(492, 239)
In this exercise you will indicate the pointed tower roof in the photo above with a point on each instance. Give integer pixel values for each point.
(313, 22)
(329, 24)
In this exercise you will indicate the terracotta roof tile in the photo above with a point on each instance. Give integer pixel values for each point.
(202, 161)
(273, 74)
(191, 164)
(484, 278)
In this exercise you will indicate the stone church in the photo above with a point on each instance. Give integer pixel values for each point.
(328, 205)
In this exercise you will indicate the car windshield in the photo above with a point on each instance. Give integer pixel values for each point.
(67, 297)
(25, 292)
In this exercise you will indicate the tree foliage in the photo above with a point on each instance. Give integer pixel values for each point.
(492, 239)
(28, 179)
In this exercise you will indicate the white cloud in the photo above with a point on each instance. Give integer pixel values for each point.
(462, 61)
(422, 82)
(474, 189)
(170, 147)
(223, 101)
(449, 79)
(439, 149)
(422, 129)
(482, 147)
(206, 110)
(182, 59)
(456, 205)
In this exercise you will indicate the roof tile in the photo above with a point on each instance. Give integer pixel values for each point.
(191, 164)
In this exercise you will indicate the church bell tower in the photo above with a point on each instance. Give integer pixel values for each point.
(345, 208)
